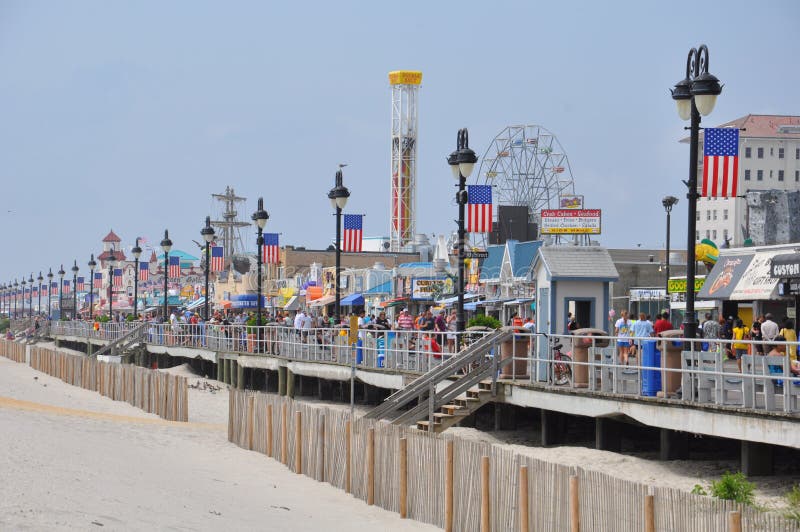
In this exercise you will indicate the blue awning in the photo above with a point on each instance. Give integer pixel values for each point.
(353, 300)
(194, 304)
(385, 288)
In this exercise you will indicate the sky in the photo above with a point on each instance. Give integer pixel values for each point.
(129, 115)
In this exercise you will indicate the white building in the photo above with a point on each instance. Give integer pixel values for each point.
(769, 159)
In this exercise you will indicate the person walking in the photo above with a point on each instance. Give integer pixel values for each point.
(769, 329)
(710, 332)
(790, 335)
(740, 332)
(622, 330)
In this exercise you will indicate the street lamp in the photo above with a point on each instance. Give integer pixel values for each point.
(260, 217)
(461, 162)
(92, 265)
(75, 270)
(30, 296)
(166, 245)
(39, 294)
(207, 233)
(16, 296)
(694, 95)
(23, 296)
(61, 273)
(137, 252)
(338, 196)
(112, 261)
(49, 293)
(668, 202)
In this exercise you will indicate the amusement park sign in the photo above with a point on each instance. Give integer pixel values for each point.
(570, 222)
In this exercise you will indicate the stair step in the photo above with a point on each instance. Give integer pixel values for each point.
(423, 425)
(440, 415)
(477, 393)
(456, 410)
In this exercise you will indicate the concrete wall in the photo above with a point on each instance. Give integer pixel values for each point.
(773, 215)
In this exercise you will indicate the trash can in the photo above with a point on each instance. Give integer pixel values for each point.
(517, 348)
(671, 349)
(380, 346)
(580, 353)
(651, 358)
(359, 351)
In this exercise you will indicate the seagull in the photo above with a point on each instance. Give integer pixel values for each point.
(341, 165)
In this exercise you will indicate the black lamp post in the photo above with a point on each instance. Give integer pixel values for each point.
(50, 293)
(92, 266)
(338, 196)
(668, 202)
(112, 260)
(260, 218)
(695, 95)
(207, 233)
(16, 297)
(30, 296)
(75, 270)
(39, 294)
(22, 304)
(462, 161)
(166, 245)
(137, 252)
(61, 273)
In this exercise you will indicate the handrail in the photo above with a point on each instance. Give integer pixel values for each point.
(133, 335)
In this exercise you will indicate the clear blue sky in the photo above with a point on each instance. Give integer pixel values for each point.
(128, 115)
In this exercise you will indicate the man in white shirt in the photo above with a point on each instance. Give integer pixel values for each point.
(298, 319)
(769, 329)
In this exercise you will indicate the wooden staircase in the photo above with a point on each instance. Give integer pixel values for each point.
(461, 407)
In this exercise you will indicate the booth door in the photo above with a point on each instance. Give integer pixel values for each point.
(542, 326)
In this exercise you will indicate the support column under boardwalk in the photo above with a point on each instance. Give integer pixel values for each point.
(607, 434)
(674, 445)
(553, 427)
(756, 459)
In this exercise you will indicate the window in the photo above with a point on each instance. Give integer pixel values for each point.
(725, 234)
(697, 235)
(780, 153)
(797, 153)
(714, 234)
(715, 214)
(708, 233)
(772, 152)
(780, 175)
(708, 215)
(748, 152)
(760, 175)
(698, 215)
(797, 175)
(770, 174)
(747, 175)
(760, 153)
(724, 214)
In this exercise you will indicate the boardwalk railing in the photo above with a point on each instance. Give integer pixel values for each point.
(439, 479)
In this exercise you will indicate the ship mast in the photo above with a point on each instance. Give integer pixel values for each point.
(230, 237)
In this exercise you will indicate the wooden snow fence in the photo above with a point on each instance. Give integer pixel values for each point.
(443, 482)
(13, 350)
(153, 391)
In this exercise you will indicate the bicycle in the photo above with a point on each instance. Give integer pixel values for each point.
(562, 365)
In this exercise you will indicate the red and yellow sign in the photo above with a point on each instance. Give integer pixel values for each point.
(405, 77)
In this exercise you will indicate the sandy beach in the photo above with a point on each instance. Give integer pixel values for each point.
(73, 460)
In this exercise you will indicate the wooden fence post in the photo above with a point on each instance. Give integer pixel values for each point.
(284, 435)
(448, 487)
(298, 442)
(403, 460)
(649, 514)
(348, 435)
(523, 499)
(486, 523)
(269, 430)
(250, 419)
(735, 521)
(322, 447)
(371, 466)
(574, 508)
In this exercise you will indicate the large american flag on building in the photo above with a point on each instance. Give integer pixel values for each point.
(81, 286)
(174, 267)
(117, 277)
(353, 232)
(98, 280)
(144, 271)
(479, 208)
(217, 258)
(272, 251)
(66, 287)
(720, 162)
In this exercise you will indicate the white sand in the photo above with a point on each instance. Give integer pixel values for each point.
(90, 468)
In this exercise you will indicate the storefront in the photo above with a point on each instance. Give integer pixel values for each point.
(677, 300)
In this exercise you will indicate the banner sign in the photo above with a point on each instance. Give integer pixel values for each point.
(570, 222)
(679, 285)
(429, 289)
(648, 294)
(570, 201)
(786, 266)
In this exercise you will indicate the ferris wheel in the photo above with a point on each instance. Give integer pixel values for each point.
(526, 166)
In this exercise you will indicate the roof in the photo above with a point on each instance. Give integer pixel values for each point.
(578, 262)
(490, 269)
(118, 255)
(385, 288)
(112, 237)
(522, 256)
(763, 126)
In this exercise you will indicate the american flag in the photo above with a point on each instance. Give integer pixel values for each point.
(272, 251)
(98, 280)
(720, 162)
(175, 267)
(352, 232)
(66, 287)
(117, 277)
(144, 271)
(54, 288)
(217, 258)
(81, 286)
(479, 208)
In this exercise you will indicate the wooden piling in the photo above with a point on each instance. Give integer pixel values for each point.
(284, 435)
(348, 427)
(250, 420)
(649, 514)
(448, 487)
(486, 525)
(403, 461)
(321, 446)
(523, 499)
(574, 508)
(298, 442)
(269, 430)
(735, 521)
(371, 466)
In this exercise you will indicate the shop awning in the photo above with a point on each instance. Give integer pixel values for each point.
(393, 302)
(451, 300)
(353, 300)
(786, 266)
(742, 277)
(292, 304)
(725, 275)
(194, 304)
(324, 300)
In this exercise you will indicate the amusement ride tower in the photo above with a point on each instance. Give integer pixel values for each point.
(405, 92)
